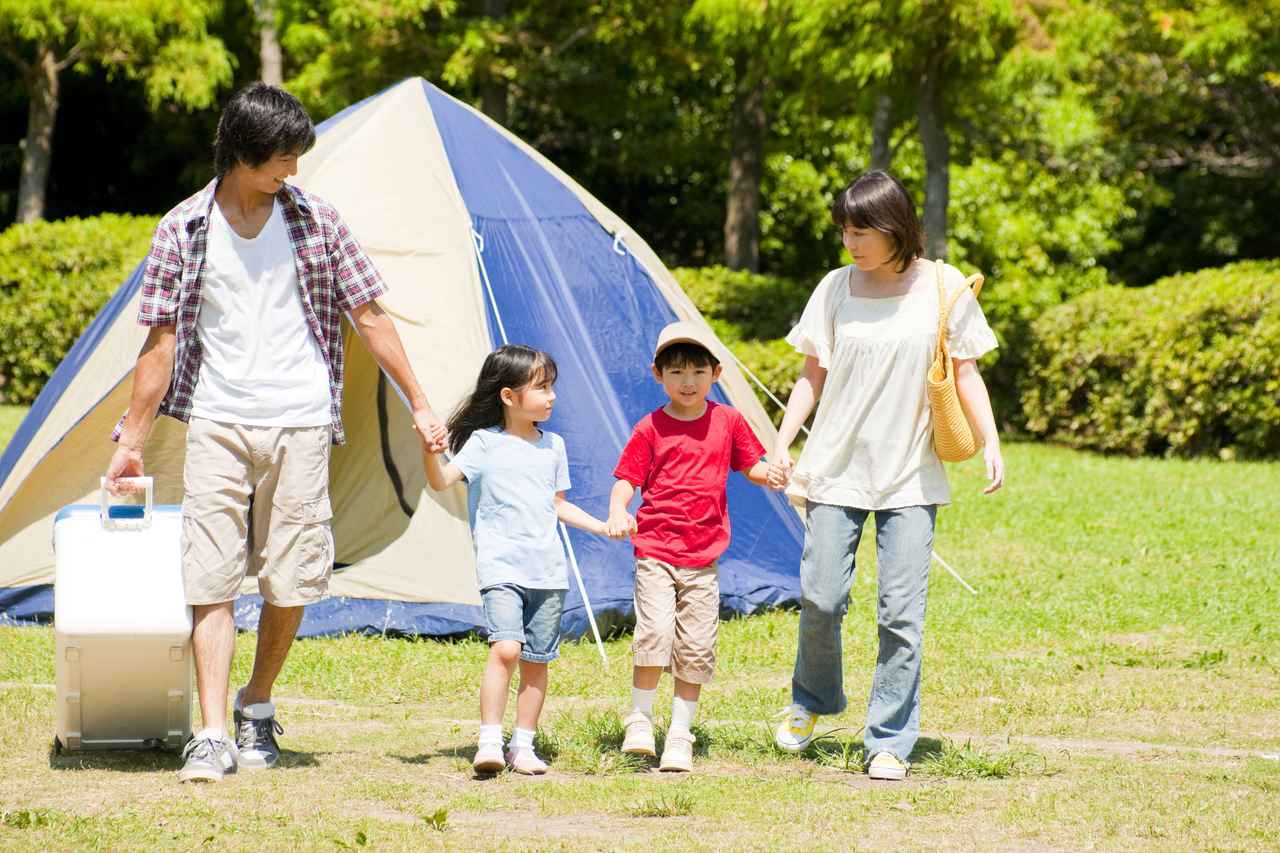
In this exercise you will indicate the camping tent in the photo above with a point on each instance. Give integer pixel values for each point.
(481, 240)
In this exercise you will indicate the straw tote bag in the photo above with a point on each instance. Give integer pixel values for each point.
(953, 437)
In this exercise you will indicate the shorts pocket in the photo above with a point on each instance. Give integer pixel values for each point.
(315, 551)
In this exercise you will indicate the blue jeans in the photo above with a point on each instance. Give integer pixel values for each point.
(904, 546)
(530, 617)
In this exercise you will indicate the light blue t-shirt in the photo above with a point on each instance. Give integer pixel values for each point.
(511, 491)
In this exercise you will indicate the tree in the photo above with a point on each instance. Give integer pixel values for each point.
(270, 58)
(163, 41)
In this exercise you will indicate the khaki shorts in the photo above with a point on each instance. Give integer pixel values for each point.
(677, 614)
(257, 502)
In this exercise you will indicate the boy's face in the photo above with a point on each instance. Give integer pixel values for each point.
(687, 384)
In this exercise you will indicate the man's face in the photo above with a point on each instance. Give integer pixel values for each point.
(270, 176)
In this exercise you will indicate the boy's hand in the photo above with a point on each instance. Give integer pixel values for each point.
(620, 525)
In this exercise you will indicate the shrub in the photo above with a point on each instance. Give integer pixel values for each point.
(54, 277)
(1187, 366)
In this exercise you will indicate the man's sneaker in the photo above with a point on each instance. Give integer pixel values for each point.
(256, 730)
(886, 765)
(525, 761)
(639, 737)
(488, 759)
(207, 759)
(677, 752)
(795, 733)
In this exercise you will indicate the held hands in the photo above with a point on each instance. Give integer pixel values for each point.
(435, 438)
(620, 525)
(780, 469)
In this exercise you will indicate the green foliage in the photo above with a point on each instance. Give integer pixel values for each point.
(1187, 366)
(54, 277)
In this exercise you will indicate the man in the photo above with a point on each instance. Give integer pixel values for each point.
(243, 291)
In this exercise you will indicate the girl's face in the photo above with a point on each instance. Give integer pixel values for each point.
(532, 403)
(870, 248)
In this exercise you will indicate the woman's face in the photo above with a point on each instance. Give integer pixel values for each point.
(870, 248)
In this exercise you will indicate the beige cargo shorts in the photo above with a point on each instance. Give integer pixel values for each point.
(677, 615)
(257, 502)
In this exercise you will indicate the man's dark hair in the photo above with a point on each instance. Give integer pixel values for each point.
(259, 122)
(685, 355)
(879, 200)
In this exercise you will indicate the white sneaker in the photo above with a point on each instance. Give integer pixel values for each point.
(677, 752)
(886, 765)
(526, 762)
(795, 733)
(488, 758)
(639, 737)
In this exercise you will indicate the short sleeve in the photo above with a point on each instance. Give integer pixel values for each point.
(161, 279)
(355, 277)
(814, 334)
(637, 458)
(747, 449)
(562, 466)
(468, 459)
(968, 334)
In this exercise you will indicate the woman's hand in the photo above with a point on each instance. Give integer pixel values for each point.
(995, 467)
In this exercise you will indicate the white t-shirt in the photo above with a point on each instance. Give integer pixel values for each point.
(871, 446)
(262, 365)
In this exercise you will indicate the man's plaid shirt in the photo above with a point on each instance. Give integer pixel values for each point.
(334, 276)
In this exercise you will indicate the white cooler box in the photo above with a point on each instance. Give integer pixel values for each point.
(122, 626)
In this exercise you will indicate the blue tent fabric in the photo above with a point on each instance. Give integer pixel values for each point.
(561, 283)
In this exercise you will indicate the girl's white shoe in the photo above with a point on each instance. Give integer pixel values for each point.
(488, 759)
(525, 761)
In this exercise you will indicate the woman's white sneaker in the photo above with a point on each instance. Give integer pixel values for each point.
(795, 733)
(886, 765)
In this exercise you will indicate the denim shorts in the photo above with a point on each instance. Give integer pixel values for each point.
(530, 617)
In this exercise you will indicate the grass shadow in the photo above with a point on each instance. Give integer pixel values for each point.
(151, 760)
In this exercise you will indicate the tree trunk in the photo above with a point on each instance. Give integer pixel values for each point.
(746, 171)
(493, 91)
(40, 79)
(270, 59)
(937, 162)
(882, 132)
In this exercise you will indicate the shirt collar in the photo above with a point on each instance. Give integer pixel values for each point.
(202, 204)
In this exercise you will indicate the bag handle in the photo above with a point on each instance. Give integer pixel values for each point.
(973, 282)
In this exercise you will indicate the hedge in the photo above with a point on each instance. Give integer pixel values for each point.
(54, 277)
(1187, 366)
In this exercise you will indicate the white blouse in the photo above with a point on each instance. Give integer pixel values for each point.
(871, 446)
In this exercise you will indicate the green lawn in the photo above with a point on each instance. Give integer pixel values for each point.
(1114, 685)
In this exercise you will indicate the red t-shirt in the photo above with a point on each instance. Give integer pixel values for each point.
(681, 468)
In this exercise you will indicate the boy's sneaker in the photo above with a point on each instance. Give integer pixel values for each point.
(256, 730)
(677, 752)
(207, 760)
(488, 759)
(639, 737)
(796, 731)
(526, 762)
(886, 765)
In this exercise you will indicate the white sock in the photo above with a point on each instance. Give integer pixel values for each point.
(642, 700)
(213, 734)
(682, 713)
(491, 734)
(522, 739)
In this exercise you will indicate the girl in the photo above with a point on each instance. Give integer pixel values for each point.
(516, 477)
(868, 335)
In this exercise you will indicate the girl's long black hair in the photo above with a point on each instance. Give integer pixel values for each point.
(511, 366)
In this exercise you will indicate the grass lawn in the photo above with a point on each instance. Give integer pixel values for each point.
(1114, 685)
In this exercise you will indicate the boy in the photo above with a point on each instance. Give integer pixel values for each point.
(679, 456)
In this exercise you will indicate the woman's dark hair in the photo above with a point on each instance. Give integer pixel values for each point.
(259, 122)
(511, 366)
(879, 200)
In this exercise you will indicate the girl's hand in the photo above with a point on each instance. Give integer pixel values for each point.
(995, 467)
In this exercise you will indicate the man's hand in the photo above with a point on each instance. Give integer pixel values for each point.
(435, 438)
(126, 462)
(620, 525)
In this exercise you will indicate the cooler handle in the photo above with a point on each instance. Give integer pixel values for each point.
(131, 522)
